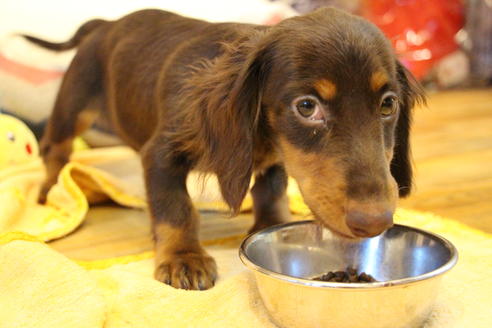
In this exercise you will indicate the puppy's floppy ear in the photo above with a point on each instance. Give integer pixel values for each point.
(225, 97)
(412, 93)
(236, 143)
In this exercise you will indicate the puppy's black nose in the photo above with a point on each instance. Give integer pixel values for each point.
(369, 225)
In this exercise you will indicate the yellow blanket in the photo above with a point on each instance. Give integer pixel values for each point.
(68, 201)
(42, 288)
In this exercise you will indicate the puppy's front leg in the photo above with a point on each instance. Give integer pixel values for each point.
(180, 260)
(270, 202)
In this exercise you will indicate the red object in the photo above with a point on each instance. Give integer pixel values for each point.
(28, 149)
(421, 31)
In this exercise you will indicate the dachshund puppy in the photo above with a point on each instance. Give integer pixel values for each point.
(319, 97)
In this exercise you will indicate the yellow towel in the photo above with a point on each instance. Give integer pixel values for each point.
(41, 288)
(78, 184)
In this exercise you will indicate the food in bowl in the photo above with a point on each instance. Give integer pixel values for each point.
(349, 276)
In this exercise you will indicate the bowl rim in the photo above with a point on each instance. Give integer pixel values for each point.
(341, 285)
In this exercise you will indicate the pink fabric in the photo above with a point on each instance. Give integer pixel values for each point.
(27, 73)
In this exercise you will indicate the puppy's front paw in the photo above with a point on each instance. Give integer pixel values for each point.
(187, 271)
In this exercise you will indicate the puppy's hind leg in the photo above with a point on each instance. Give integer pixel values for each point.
(81, 88)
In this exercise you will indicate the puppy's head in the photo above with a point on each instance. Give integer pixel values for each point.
(337, 103)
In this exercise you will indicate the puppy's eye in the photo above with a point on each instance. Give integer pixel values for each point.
(309, 108)
(389, 105)
(306, 107)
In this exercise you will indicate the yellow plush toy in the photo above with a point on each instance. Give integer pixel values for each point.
(18, 144)
(21, 174)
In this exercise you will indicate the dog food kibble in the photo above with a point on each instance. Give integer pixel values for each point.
(349, 275)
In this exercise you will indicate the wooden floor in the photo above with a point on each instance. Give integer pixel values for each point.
(452, 147)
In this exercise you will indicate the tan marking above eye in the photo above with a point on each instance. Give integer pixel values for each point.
(325, 88)
(378, 79)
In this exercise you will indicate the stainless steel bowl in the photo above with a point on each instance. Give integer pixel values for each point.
(407, 262)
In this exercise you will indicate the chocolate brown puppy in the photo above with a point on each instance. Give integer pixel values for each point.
(320, 97)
